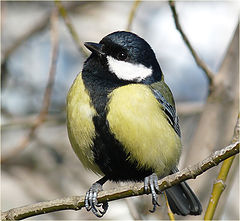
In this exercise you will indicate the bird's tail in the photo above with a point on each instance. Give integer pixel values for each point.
(183, 201)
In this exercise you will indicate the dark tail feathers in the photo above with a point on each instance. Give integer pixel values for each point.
(183, 201)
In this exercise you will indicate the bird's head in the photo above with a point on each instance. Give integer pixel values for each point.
(126, 57)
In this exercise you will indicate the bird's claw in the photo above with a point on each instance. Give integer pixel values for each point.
(152, 183)
(91, 202)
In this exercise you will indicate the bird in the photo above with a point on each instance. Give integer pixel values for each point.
(122, 122)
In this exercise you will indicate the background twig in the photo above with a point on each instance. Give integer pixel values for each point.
(205, 126)
(39, 26)
(77, 202)
(200, 63)
(214, 126)
(72, 30)
(132, 14)
(47, 94)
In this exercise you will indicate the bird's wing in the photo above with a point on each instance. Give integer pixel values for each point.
(164, 96)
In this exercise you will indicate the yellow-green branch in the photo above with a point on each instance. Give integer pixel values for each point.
(219, 185)
(170, 213)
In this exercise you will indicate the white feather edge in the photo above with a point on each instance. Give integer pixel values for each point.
(128, 71)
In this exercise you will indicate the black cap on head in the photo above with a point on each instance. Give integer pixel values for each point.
(128, 47)
(138, 49)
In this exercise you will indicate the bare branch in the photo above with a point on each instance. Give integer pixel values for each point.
(37, 27)
(200, 63)
(47, 94)
(136, 189)
(72, 30)
(132, 14)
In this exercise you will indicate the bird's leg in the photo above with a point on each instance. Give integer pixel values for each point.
(91, 202)
(152, 183)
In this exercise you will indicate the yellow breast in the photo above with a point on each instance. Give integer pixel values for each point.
(136, 119)
(80, 126)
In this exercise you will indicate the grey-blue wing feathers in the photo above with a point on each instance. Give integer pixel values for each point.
(169, 110)
(181, 198)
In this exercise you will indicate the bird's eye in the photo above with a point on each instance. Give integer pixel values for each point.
(122, 56)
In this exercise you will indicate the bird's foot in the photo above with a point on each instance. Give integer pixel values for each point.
(152, 183)
(91, 202)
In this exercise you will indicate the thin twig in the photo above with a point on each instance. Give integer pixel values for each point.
(198, 60)
(219, 185)
(47, 94)
(37, 27)
(136, 189)
(72, 30)
(132, 14)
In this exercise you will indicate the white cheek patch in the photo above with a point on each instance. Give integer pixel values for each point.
(128, 71)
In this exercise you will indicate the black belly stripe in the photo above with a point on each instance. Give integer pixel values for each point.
(111, 158)
(109, 154)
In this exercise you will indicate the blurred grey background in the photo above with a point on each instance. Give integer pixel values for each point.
(48, 168)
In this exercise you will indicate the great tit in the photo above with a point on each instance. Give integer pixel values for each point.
(122, 122)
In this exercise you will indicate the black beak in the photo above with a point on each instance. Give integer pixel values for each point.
(94, 47)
